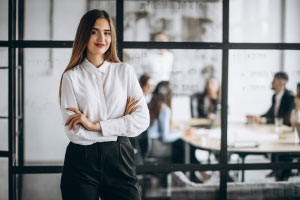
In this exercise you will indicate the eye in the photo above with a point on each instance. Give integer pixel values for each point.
(107, 33)
(94, 32)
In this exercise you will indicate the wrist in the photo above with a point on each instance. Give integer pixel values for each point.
(97, 126)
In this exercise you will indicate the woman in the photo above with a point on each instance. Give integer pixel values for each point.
(165, 141)
(146, 84)
(102, 104)
(209, 100)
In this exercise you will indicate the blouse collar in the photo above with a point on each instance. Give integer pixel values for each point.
(92, 68)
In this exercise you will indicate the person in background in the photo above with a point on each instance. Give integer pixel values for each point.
(209, 100)
(160, 130)
(282, 106)
(158, 63)
(282, 102)
(160, 122)
(146, 84)
(295, 115)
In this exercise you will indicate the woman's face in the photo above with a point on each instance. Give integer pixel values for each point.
(148, 88)
(212, 86)
(100, 39)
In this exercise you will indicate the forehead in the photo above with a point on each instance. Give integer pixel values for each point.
(102, 23)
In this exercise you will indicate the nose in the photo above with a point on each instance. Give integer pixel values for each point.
(100, 37)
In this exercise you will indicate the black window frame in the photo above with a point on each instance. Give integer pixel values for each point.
(16, 96)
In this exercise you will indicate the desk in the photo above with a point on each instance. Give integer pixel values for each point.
(269, 141)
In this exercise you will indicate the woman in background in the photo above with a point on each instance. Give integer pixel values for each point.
(160, 132)
(102, 104)
(146, 84)
(209, 100)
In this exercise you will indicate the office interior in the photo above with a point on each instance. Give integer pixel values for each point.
(241, 44)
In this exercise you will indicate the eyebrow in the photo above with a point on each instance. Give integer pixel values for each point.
(98, 29)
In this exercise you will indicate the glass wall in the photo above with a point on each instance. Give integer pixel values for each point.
(180, 21)
(4, 178)
(3, 99)
(43, 123)
(4, 20)
(264, 21)
(47, 20)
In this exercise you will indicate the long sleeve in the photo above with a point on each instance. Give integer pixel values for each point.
(269, 115)
(166, 133)
(68, 99)
(135, 123)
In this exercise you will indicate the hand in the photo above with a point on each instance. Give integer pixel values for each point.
(253, 119)
(189, 132)
(211, 116)
(130, 106)
(80, 118)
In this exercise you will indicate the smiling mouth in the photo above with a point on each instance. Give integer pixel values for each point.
(100, 45)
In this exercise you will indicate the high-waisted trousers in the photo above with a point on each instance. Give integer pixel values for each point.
(104, 170)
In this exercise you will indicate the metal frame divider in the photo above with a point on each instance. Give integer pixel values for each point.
(21, 87)
(16, 108)
(12, 98)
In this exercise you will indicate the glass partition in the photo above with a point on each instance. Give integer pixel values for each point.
(47, 20)
(178, 21)
(264, 21)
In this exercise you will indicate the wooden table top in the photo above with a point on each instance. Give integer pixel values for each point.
(242, 137)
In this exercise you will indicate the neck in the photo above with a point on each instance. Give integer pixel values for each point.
(97, 61)
(278, 91)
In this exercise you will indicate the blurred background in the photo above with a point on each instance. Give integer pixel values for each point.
(250, 72)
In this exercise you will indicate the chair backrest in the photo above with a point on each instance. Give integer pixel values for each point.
(158, 149)
(194, 105)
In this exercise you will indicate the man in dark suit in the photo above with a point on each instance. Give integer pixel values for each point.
(282, 106)
(282, 102)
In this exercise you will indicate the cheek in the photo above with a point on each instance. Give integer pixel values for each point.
(90, 44)
(108, 41)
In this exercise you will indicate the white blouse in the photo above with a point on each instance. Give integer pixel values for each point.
(101, 95)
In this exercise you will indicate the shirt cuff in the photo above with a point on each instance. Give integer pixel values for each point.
(113, 127)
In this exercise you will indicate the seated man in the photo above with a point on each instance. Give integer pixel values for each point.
(282, 102)
(282, 106)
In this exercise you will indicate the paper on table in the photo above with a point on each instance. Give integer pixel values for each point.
(239, 134)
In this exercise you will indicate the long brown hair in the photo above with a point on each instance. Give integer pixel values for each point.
(161, 94)
(82, 38)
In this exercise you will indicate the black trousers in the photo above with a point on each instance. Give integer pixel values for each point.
(105, 170)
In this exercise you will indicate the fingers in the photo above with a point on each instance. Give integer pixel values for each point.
(75, 123)
(132, 101)
(72, 122)
(70, 118)
(130, 106)
(134, 109)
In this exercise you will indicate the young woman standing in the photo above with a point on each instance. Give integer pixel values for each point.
(102, 105)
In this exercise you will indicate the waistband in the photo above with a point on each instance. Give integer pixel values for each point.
(120, 139)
